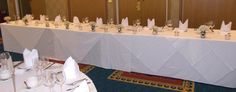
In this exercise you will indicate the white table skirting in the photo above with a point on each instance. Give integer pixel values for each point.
(210, 60)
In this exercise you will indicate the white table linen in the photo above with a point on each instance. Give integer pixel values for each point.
(210, 60)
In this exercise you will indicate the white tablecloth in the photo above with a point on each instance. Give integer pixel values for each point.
(7, 85)
(210, 60)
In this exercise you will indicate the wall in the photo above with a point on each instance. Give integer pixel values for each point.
(200, 11)
(38, 7)
(88, 8)
(11, 7)
(57, 7)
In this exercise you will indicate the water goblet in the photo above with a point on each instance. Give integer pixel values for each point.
(32, 17)
(60, 79)
(6, 69)
(49, 80)
(111, 21)
(64, 19)
(86, 19)
(138, 22)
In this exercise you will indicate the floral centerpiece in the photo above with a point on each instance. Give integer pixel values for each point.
(155, 30)
(93, 26)
(202, 30)
(7, 19)
(25, 20)
(67, 24)
(119, 28)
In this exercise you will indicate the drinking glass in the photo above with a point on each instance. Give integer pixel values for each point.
(169, 25)
(86, 19)
(64, 18)
(60, 79)
(46, 18)
(6, 68)
(39, 66)
(138, 22)
(32, 17)
(49, 80)
(111, 21)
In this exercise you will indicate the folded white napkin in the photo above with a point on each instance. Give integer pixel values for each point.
(42, 18)
(83, 87)
(30, 57)
(125, 22)
(76, 20)
(99, 21)
(150, 23)
(225, 28)
(71, 70)
(58, 19)
(183, 27)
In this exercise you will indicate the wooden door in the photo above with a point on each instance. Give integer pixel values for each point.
(143, 9)
(88, 8)
(200, 11)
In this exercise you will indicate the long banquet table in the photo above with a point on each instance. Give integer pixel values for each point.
(211, 60)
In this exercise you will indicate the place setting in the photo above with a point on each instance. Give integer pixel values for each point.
(58, 78)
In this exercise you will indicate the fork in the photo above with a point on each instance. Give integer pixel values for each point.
(75, 87)
(75, 82)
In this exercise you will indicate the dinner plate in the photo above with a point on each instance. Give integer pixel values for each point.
(78, 78)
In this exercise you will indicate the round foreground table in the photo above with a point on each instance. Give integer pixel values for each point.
(7, 85)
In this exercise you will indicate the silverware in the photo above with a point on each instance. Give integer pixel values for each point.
(75, 87)
(27, 87)
(49, 66)
(75, 82)
(18, 64)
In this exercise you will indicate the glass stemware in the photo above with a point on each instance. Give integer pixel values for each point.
(138, 22)
(169, 24)
(49, 80)
(32, 17)
(86, 19)
(6, 69)
(60, 79)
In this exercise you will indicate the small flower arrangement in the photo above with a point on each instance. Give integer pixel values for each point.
(119, 28)
(155, 30)
(93, 26)
(7, 19)
(25, 20)
(67, 24)
(202, 30)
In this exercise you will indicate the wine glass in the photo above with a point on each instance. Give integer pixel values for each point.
(39, 66)
(169, 25)
(32, 17)
(6, 69)
(111, 21)
(134, 23)
(86, 19)
(138, 22)
(49, 80)
(60, 79)
(64, 18)
(46, 18)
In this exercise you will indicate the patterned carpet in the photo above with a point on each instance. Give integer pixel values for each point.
(153, 81)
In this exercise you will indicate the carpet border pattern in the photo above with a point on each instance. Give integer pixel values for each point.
(187, 86)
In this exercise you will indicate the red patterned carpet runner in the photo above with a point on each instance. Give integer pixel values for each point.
(83, 67)
(153, 81)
